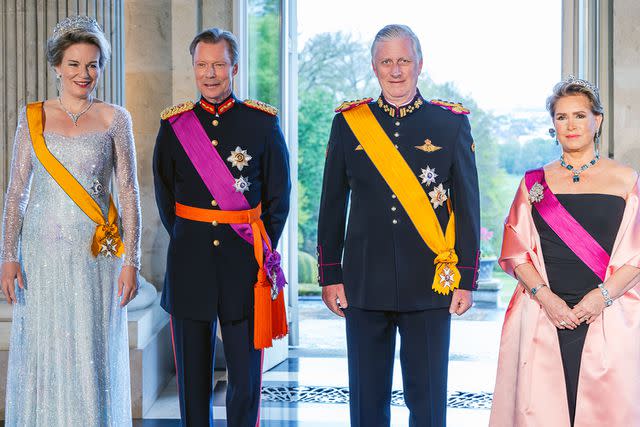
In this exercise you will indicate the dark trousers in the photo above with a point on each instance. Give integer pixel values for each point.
(571, 344)
(194, 350)
(424, 359)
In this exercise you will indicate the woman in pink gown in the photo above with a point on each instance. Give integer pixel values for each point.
(569, 353)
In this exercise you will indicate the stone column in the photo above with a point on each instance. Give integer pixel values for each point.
(25, 75)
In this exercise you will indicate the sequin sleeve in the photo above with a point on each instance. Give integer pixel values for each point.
(127, 181)
(17, 196)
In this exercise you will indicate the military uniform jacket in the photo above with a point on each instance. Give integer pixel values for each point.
(381, 259)
(210, 269)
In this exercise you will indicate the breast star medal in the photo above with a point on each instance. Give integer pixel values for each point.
(447, 277)
(428, 176)
(96, 188)
(239, 158)
(438, 196)
(242, 184)
(428, 146)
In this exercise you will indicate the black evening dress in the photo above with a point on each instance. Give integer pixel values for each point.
(569, 277)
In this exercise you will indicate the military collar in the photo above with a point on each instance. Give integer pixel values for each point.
(218, 109)
(404, 110)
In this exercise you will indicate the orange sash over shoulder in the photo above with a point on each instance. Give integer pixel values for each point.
(404, 184)
(106, 240)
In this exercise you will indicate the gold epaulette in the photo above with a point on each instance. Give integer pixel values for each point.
(261, 106)
(454, 107)
(176, 109)
(348, 105)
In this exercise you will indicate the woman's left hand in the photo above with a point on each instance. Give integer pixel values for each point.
(128, 284)
(590, 306)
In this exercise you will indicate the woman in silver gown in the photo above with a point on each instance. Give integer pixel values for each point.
(68, 355)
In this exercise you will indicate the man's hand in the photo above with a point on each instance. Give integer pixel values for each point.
(335, 298)
(461, 302)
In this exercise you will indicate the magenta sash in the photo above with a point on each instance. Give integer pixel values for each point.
(566, 227)
(220, 183)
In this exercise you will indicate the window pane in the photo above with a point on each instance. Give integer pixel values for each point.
(265, 65)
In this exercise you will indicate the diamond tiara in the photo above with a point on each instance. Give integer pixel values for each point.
(580, 82)
(74, 23)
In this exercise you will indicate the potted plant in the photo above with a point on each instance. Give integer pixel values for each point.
(488, 288)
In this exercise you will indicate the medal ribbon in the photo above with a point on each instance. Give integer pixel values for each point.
(404, 184)
(107, 234)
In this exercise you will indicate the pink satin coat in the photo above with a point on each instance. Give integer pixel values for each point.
(530, 387)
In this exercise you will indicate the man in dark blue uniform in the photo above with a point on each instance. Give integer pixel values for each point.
(211, 270)
(384, 275)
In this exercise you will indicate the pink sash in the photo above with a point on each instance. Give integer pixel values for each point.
(218, 179)
(566, 227)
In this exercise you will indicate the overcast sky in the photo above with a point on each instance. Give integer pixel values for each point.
(505, 53)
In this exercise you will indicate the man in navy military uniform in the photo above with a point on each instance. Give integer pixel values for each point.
(211, 270)
(379, 275)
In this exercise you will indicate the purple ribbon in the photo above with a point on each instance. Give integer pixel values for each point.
(220, 183)
(567, 228)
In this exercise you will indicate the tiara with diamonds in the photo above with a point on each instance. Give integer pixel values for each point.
(580, 82)
(75, 23)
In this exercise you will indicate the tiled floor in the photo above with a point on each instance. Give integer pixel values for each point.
(320, 361)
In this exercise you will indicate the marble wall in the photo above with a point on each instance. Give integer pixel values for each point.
(158, 74)
(626, 81)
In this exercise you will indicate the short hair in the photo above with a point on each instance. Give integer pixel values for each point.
(397, 31)
(74, 30)
(217, 35)
(571, 87)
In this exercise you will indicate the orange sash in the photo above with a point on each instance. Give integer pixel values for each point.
(106, 239)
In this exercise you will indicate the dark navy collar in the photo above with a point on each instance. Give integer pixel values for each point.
(404, 110)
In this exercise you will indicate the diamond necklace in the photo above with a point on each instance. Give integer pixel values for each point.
(74, 117)
(577, 172)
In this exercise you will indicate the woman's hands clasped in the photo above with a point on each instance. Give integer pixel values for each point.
(557, 311)
(10, 272)
(590, 306)
(128, 284)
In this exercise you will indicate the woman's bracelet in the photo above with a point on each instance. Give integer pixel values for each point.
(534, 291)
(605, 294)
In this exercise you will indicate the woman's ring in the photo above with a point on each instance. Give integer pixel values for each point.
(563, 323)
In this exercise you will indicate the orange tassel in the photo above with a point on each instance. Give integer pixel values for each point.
(262, 329)
(279, 317)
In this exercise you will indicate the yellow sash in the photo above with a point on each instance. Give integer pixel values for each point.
(404, 184)
(106, 239)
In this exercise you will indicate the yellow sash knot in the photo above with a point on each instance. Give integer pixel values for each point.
(447, 275)
(106, 240)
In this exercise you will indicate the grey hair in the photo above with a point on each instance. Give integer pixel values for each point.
(217, 35)
(57, 44)
(397, 31)
(575, 87)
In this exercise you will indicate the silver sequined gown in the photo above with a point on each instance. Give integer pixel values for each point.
(68, 354)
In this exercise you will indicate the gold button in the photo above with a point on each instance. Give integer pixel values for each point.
(215, 123)
(214, 223)
(397, 123)
(395, 221)
(396, 134)
(216, 242)
(393, 208)
(393, 196)
(214, 142)
(214, 203)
